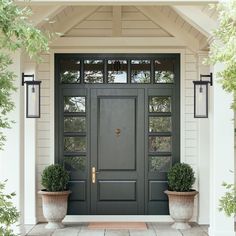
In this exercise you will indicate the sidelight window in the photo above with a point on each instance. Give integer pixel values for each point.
(75, 163)
(160, 163)
(74, 124)
(74, 104)
(159, 133)
(159, 124)
(159, 104)
(75, 135)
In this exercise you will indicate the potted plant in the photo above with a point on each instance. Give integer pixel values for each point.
(181, 195)
(55, 195)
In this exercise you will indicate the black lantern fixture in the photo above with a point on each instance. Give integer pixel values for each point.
(32, 96)
(201, 96)
(117, 66)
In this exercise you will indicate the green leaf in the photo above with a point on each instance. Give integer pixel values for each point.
(16, 32)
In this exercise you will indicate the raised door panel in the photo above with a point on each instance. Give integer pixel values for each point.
(116, 138)
(117, 190)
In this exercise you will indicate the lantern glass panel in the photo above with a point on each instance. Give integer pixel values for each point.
(33, 100)
(201, 100)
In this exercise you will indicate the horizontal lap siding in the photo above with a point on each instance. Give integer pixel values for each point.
(133, 24)
(191, 124)
(44, 142)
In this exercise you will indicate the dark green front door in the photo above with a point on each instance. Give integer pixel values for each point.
(116, 132)
(117, 141)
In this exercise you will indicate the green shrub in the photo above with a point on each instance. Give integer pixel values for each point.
(8, 212)
(228, 201)
(16, 33)
(55, 178)
(181, 177)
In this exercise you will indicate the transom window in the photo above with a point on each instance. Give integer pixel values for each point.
(79, 70)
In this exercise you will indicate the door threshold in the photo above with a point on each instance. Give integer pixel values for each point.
(117, 218)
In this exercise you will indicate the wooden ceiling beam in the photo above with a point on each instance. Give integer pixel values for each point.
(116, 21)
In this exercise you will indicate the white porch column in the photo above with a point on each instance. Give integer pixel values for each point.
(30, 156)
(221, 156)
(203, 154)
(11, 158)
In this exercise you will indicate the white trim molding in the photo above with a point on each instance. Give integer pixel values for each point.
(221, 154)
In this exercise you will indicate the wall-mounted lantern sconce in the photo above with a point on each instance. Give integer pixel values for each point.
(32, 96)
(201, 96)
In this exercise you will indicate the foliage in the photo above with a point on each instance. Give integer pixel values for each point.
(74, 104)
(181, 177)
(159, 164)
(55, 178)
(16, 33)
(8, 213)
(223, 46)
(164, 77)
(159, 104)
(223, 50)
(228, 201)
(70, 77)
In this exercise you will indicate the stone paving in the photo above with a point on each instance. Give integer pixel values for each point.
(154, 229)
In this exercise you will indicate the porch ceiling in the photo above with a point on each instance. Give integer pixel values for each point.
(189, 25)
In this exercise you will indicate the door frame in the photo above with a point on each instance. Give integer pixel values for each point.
(118, 86)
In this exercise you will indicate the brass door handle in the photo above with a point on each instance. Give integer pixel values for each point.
(93, 175)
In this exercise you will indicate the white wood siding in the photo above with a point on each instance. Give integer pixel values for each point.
(44, 143)
(133, 24)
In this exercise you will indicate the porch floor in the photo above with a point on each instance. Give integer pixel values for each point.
(76, 229)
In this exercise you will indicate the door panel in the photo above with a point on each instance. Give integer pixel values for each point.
(117, 190)
(116, 137)
(119, 160)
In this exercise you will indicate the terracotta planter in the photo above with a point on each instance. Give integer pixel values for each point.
(54, 208)
(181, 207)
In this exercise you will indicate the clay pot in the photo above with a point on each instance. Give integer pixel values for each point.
(54, 208)
(181, 207)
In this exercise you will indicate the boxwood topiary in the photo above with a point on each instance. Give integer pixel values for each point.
(55, 178)
(180, 177)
